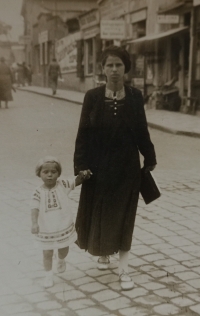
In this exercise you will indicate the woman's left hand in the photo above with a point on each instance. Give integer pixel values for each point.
(149, 168)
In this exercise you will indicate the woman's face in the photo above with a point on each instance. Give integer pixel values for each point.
(114, 69)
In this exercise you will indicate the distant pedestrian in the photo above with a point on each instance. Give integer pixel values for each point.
(29, 75)
(54, 72)
(6, 82)
(52, 219)
(21, 75)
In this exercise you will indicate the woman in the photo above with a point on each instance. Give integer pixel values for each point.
(112, 132)
(6, 81)
(54, 72)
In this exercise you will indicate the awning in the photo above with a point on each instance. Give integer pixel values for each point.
(172, 7)
(159, 35)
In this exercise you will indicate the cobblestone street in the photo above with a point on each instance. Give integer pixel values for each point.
(165, 253)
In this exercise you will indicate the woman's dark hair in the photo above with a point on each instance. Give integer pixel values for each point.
(119, 52)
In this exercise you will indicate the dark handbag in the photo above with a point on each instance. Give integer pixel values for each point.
(149, 189)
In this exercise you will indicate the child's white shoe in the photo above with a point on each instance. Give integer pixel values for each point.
(61, 265)
(48, 281)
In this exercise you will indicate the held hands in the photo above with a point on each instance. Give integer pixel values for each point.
(149, 168)
(35, 228)
(85, 174)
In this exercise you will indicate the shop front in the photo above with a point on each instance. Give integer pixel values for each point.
(89, 50)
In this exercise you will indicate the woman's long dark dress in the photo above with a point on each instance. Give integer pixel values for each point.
(108, 201)
(6, 80)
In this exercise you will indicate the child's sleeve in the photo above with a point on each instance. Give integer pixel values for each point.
(35, 200)
(69, 183)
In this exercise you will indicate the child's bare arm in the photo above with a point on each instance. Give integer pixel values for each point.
(34, 219)
(82, 176)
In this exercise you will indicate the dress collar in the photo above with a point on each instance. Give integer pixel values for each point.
(120, 94)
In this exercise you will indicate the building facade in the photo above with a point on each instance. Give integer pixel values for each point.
(162, 37)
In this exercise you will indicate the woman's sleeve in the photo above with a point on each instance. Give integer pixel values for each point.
(82, 139)
(143, 139)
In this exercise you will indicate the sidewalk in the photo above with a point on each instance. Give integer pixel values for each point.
(171, 122)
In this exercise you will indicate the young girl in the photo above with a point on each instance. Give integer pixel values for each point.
(52, 219)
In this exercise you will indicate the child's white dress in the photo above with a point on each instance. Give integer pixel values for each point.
(55, 220)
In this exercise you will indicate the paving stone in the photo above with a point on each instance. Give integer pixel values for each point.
(49, 305)
(92, 287)
(97, 273)
(69, 295)
(142, 278)
(195, 296)
(153, 286)
(143, 250)
(84, 280)
(105, 295)
(154, 257)
(187, 275)
(28, 289)
(137, 262)
(195, 308)
(185, 288)
(118, 303)
(158, 273)
(169, 280)
(191, 263)
(27, 314)
(73, 275)
(166, 293)
(136, 292)
(17, 308)
(165, 262)
(60, 287)
(182, 256)
(61, 313)
(114, 286)
(91, 312)
(80, 304)
(148, 268)
(37, 297)
(182, 301)
(194, 283)
(134, 311)
(166, 309)
(150, 300)
(175, 268)
(10, 299)
(108, 278)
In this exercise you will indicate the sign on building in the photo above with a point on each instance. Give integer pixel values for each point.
(113, 29)
(66, 52)
(168, 19)
(43, 37)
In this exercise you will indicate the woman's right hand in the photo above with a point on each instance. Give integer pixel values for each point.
(85, 174)
(35, 228)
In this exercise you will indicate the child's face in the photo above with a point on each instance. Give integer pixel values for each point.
(49, 174)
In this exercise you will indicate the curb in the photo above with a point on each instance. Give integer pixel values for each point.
(51, 96)
(173, 131)
(152, 125)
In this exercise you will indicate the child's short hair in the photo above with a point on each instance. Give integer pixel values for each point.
(47, 159)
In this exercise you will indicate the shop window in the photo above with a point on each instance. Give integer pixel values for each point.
(139, 29)
(89, 53)
(80, 58)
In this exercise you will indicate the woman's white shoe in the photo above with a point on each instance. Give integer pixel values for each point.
(125, 281)
(103, 263)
